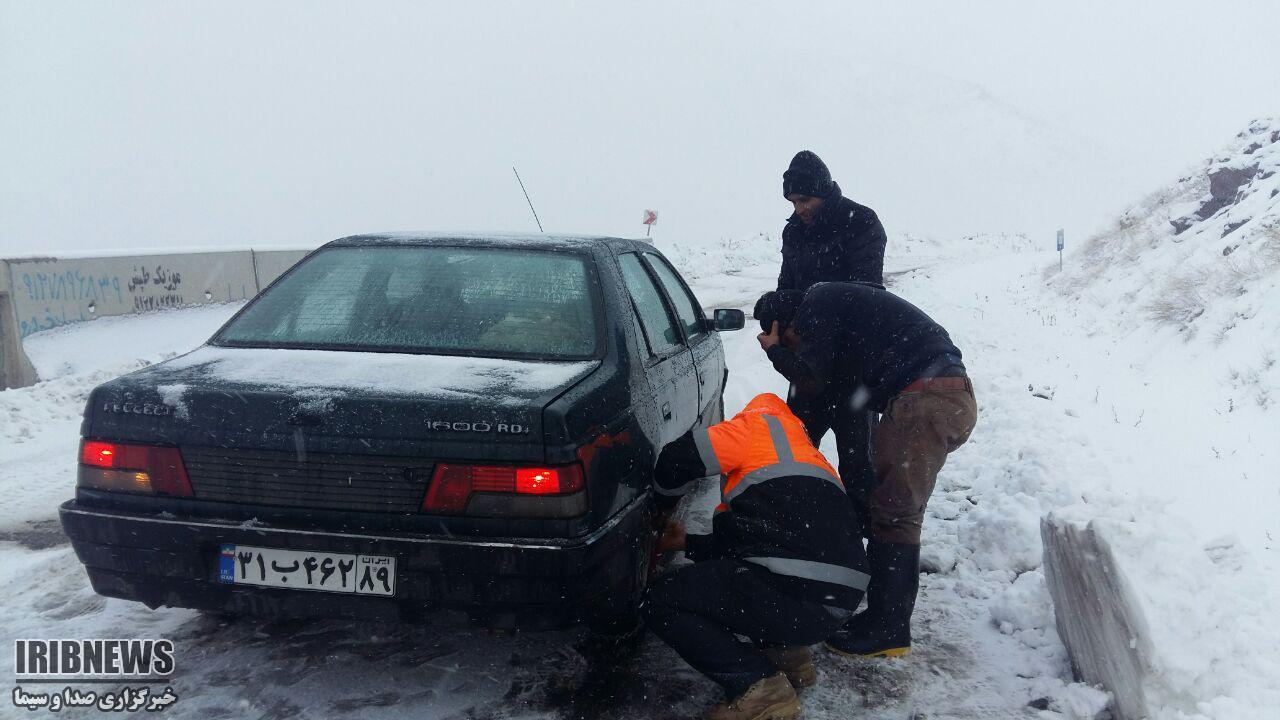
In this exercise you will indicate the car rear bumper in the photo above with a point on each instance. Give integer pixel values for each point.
(514, 583)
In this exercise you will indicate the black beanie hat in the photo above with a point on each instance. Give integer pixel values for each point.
(780, 305)
(808, 175)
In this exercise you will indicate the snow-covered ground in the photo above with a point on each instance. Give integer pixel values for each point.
(1077, 414)
(1182, 292)
(1172, 315)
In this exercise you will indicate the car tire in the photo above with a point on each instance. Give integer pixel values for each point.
(620, 628)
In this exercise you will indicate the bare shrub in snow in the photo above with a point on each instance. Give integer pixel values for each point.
(1184, 298)
(1253, 382)
(1270, 250)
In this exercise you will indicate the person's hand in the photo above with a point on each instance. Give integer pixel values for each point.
(672, 538)
(769, 339)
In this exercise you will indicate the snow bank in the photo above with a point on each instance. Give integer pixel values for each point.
(1176, 629)
(1171, 312)
(123, 340)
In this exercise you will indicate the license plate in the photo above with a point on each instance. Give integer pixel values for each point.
(307, 570)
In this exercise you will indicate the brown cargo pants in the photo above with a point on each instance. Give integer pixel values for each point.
(919, 428)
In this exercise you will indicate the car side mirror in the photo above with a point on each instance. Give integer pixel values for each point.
(729, 319)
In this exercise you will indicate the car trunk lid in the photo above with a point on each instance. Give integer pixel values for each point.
(340, 402)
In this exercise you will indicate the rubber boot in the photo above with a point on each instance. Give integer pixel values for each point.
(795, 661)
(884, 628)
(772, 698)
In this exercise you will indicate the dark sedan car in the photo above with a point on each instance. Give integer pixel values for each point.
(406, 423)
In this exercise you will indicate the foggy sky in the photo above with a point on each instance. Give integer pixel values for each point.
(157, 124)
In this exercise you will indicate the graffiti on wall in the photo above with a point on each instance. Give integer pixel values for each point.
(46, 293)
(88, 290)
(70, 285)
(74, 296)
(155, 290)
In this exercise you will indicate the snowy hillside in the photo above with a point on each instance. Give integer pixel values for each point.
(1181, 295)
(1168, 346)
(1202, 258)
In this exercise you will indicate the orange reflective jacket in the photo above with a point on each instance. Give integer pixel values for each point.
(782, 505)
(764, 441)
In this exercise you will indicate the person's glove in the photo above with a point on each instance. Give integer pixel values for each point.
(764, 310)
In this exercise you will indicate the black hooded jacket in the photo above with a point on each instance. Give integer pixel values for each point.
(845, 242)
(864, 340)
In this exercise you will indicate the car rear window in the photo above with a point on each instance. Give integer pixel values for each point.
(495, 302)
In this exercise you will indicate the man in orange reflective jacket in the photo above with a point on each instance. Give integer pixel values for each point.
(783, 565)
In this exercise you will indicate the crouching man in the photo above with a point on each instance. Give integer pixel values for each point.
(783, 565)
(907, 368)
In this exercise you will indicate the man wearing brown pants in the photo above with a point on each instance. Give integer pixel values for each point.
(887, 355)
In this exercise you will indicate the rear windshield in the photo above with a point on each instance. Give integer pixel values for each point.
(494, 302)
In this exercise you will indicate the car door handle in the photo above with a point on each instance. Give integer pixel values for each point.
(666, 411)
(702, 377)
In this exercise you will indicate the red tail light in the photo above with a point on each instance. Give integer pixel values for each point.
(452, 484)
(121, 467)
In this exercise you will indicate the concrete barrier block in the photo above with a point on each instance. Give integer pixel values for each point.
(15, 368)
(1097, 616)
(49, 292)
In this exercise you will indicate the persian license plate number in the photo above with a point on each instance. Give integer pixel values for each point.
(307, 570)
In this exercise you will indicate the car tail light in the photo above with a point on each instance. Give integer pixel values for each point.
(452, 484)
(125, 467)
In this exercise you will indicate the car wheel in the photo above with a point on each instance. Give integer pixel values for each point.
(620, 629)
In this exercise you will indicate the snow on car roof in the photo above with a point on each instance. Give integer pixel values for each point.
(488, 238)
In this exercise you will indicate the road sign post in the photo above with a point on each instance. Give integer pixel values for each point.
(650, 219)
(1061, 242)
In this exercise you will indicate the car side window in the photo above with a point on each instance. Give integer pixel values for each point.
(654, 318)
(686, 304)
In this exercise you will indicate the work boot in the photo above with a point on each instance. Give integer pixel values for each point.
(772, 698)
(795, 661)
(884, 628)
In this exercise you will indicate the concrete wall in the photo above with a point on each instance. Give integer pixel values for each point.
(271, 264)
(42, 293)
(1098, 619)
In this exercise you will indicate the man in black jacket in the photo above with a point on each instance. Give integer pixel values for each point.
(830, 238)
(782, 566)
(903, 364)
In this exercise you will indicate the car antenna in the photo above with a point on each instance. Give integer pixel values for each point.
(526, 198)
